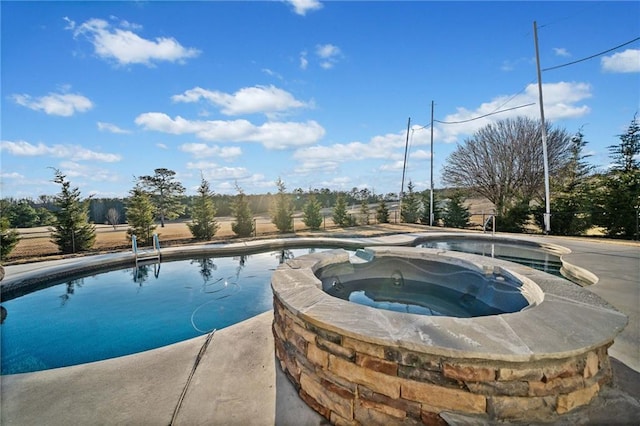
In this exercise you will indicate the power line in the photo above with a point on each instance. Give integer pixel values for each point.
(592, 56)
(495, 111)
(485, 115)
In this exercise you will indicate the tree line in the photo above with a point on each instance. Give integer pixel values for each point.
(501, 162)
(504, 163)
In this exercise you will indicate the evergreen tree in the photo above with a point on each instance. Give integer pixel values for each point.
(243, 226)
(203, 213)
(364, 211)
(382, 212)
(140, 216)
(410, 206)
(282, 213)
(165, 193)
(340, 216)
(312, 216)
(9, 238)
(619, 198)
(45, 217)
(571, 197)
(515, 219)
(72, 231)
(456, 215)
(24, 215)
(426, 209)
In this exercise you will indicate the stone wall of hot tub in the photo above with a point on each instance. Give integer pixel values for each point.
(356, 379)
(350, 381)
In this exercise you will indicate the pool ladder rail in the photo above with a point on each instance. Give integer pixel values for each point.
(142, 255)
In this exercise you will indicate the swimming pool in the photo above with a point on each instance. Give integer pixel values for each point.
(532, 256)
(130, 310)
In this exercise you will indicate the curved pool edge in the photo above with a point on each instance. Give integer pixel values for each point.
(563, 303)
(31, 274)
(532, 365)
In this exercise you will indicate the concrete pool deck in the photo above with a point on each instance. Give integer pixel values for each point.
(146, 388)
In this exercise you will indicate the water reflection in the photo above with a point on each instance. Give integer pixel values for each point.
(70, 289)
(529, 256)
(284, 255)
(140, 273)
(206, 267)
(119, 312)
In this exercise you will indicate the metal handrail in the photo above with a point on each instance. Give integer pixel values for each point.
(137, 253)
(491, 218)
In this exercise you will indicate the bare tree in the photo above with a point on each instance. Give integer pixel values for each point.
(503, 161)
(113, 217)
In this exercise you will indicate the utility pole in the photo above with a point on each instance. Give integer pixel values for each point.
(404, 166)
(431, 195)
(547, 214)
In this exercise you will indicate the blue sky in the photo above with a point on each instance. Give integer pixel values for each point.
(317, 93)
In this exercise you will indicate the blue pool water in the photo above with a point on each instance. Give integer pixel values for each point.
(126, 311)
(532, 257)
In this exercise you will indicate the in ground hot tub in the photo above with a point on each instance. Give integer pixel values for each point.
(538, 360)
(442, 286)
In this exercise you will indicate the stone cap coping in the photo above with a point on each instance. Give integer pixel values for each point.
(569, 321)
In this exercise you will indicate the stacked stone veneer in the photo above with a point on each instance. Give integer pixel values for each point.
(351, 381)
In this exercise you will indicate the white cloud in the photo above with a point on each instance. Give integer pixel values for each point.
(212, 171)
(339, 182)
(76, 170)
(126, 47)
(561, 102)
(273, 135)
(392, 167)
(301, 7)
(420, 154)
(72, 152)
(204, 150)
(111, 128)
(304, 62)
(272, 73)
(248, 100)
(561, 51)
(622, 62)
(327, 158)
(62, 104)
(379, 147)
(12, 175)
(316, 166)
(227, 177)
(326, 51)
(328, 54)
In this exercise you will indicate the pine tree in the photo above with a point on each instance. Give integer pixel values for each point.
(364, 211)
(619, 198)
(8, 238)
(165, 193)
(203, 225)
(410, 207)
(282, 213)
(456, 215)
(140, 215)
(382, 212)
(72, 231)
(312, 216)
(243, 226)
(571, 194)
(340, 216)
(426, 209)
